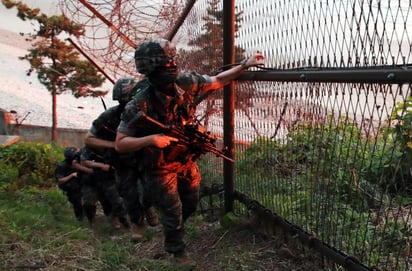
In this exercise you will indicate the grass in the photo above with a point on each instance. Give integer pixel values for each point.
(39, 232)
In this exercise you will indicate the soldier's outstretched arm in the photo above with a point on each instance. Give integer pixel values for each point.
(224, 78)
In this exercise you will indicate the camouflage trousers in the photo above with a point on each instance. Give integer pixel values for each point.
(74, 196)
(128, 180)
(104, 190)
(175, 193)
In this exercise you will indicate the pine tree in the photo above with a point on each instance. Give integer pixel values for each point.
(58, 65)
(207, 56)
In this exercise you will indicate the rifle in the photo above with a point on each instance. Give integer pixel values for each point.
(192, 135)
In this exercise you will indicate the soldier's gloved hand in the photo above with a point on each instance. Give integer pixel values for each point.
(105, 167)
(162, 141)
(257, 59)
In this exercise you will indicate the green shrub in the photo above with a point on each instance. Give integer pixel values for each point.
(28, 164)
(398, 166)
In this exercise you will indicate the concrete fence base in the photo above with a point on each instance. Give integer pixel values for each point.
(42, 134)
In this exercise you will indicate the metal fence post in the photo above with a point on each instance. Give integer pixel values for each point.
(228, 101)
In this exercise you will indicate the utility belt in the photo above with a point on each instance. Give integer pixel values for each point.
(100, 176)
(129, 159)
(181, 169)
(155, 158)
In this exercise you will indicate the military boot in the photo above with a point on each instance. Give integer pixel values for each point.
(137, 231)
(90, 211)
(115, 222)
(125, 222)
(183, 260)
(92, 222)
(151, 217)
(78, 212)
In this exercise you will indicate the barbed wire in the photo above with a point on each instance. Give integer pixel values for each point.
(137, 20)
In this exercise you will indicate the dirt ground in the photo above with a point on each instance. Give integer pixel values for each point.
(236, 248)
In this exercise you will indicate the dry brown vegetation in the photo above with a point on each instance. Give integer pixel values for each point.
(215, 248)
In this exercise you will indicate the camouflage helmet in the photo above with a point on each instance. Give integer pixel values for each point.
(153, 54)
(123, 89)
(70, 153)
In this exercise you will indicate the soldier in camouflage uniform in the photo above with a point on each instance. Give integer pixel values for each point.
(171, 174)
(71, 176)
(101, 136)
(99, 182)
(68, 182)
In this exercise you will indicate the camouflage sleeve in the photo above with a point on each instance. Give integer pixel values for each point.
(130, 110)
(194, 83)
(84, 154)
(99, 123)
(59, 171)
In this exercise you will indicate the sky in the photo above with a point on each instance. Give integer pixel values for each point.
(14, 84)
(28, 97)
(11, 22)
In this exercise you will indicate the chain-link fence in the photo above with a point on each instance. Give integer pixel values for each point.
(326, 128)
(324, 132)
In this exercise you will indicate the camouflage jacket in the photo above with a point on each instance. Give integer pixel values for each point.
(167, 110)
(64, 169)
(105, 125)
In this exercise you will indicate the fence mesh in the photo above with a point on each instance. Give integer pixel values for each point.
(323, 155)
(333, 158)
